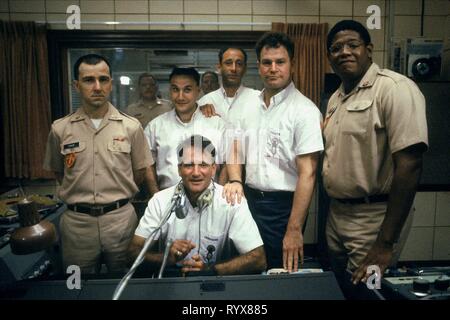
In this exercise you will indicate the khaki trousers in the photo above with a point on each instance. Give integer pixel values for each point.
(351, 231)
(87, 241)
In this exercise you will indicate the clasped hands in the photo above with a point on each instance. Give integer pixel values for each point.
(178, 252)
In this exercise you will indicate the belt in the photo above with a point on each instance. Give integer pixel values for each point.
(97, 210)
(367, 199)
(268, 194)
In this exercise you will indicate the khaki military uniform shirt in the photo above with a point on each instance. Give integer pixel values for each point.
(147, 112)
(97, 164)
(384, 114)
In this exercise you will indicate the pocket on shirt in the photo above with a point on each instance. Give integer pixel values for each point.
(357, 117)
(273, 144)
(74, 153)
(213, 242)
(120, 154)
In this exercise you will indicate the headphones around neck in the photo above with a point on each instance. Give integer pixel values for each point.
(204, 200)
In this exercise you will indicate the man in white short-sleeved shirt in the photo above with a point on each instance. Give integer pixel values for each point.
(229, 101)
(282, 144)
(167, 131)
(202, 238)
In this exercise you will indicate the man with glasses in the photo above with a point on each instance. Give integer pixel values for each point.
(375, 133)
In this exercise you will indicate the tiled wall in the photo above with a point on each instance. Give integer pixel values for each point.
(430, 237)
(407, 19)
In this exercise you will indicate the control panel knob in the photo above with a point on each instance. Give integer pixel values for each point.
(442, 283)
(421, 285)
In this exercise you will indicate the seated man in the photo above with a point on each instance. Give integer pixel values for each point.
(202, 240)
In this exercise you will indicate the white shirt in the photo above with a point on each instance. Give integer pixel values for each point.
(216, 225)
(274, 136)
(167, 131)
(96, 122)
(231, 109)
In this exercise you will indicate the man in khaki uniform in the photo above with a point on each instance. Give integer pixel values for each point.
(375, 134)
(98, 155)
(209, 82)
(149, 106)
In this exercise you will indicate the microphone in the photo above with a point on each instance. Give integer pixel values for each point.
(210, 250)
(180, 210)
(179, 202)
(166, 255)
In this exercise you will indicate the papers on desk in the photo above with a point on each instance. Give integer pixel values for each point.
(300, 271)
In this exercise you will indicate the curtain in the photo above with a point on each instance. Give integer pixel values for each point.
(24, 99)
(310, 56)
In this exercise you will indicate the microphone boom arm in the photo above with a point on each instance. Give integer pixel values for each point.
(140, 258)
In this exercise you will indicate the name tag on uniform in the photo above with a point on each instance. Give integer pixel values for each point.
(71, 145)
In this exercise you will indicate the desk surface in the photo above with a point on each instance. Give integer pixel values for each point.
(313, 286)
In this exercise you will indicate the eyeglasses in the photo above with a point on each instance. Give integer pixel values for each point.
(352, 45)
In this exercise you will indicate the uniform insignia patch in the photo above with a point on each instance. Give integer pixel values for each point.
(119, 138)
(71, 145)
(69, 159)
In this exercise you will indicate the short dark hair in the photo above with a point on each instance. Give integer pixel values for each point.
(146, 75)
(189, 72)
(348, 25)
(275, 40)
(196, 141)
(91, 59)
(223, 50)
(211, 73)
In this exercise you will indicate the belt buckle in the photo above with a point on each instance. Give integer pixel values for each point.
(96, 211)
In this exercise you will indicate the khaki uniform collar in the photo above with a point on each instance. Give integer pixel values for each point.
(78, 115)
(111, 114)
(367, 80)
